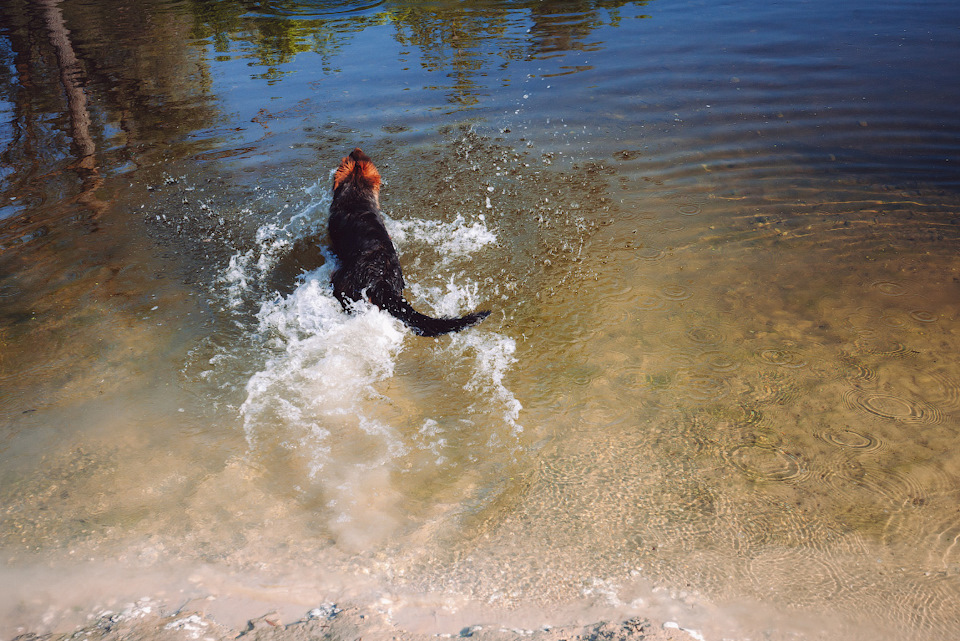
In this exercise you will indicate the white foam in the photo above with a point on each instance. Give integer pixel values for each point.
(492, 354)
(236, 279)
(454, 240)
(451, 300)
(673, 625)
(272, 242)
(324, 367)
(319, 403)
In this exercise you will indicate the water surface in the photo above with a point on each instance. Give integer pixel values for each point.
(718, 386)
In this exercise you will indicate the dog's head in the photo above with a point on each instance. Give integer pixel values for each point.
(357, 171)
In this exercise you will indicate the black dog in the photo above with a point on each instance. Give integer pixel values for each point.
(369, 264)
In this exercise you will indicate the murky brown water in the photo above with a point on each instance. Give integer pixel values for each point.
(719, 383)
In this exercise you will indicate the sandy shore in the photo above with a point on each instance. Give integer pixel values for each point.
(147, 622)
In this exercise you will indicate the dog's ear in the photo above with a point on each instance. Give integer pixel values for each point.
(343, 171)
(358, 168)
(369, 175)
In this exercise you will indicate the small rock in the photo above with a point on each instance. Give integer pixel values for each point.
(266, 622)
(325, 611)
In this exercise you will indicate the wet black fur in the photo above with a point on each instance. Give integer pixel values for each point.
(369, 264)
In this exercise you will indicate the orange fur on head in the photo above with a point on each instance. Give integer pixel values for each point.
(343, 171)
(357, 167)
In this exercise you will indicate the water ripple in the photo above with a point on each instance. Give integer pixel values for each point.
(872, 493)
(861, 372)
(719, 362)
(923, 316)
(705, 335)
(702, 386)
(651, 254)
(868, 343)
(889, 288)
(782, 357)
(751, 416)
(851, 439)
(649, 302)
(813, 576)
(939, 389)
(674, 292)
(892, 407)
(689, 209)
(768, 463)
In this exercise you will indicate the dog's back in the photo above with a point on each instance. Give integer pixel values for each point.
(369, 264)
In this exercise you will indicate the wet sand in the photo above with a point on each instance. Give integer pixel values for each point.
(149, 621)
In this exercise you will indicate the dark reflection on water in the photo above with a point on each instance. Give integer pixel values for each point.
(148, 70)
(87, 99)
(466, 41)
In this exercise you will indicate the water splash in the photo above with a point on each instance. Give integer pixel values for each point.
(325, 414)
(452, 240)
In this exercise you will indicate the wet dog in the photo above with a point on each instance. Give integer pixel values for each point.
(369, 264)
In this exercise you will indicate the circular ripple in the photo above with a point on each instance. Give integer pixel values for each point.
(814, 578)
(892, 407)
(863, 373)
(888, 486)
(781, 357)
(860, 372)
(683, 359)
(674, 292)
(923, 316)
(689, 209)
(645, 219)
(751, 416)
(719, 362)
(767, 525)
(889, 288)
(671, 227)
(851, 439)
(939, 389)
(702, 386)
(705, 335)
(889, 406)
(893, 321)
(749, 436)
(767, 463)
(649, 302)
(861, 319)
(841, 475)
(650, 253)
(869, 344)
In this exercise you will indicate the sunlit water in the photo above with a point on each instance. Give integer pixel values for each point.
(719, 383)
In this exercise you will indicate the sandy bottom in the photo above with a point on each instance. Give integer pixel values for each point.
(745, 410)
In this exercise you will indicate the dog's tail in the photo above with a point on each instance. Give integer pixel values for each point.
(422, 324)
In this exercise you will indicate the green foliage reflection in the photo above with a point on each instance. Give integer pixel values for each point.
(461, 38)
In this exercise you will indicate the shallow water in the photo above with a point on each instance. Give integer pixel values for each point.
(718, 385)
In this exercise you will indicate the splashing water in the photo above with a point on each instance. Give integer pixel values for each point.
(247, 271)
(453, 240)
(325, 413)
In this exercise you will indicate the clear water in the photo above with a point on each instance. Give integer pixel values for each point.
(719, 383)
